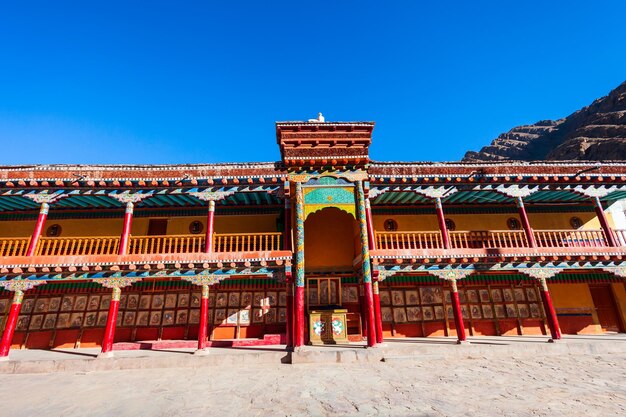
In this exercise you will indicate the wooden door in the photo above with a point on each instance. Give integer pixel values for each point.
(157, 227)
(605, 308)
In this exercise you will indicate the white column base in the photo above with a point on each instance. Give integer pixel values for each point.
(4, 358)
(105, 355)
(462, 342)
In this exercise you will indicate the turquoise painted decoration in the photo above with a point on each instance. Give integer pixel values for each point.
(365, 252)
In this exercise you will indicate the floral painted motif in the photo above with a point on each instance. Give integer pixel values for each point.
(450, 273)
(299, 236)
(540, 273)
(365, 253)
(318, 327)
(337, 326)
(116, 282)
(20, 284)
(208, 195)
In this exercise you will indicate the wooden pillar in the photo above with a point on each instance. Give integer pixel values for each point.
(41, 221)
(553, 322)
(458, 314)
(128, 222)
(530, 236)
(445, 236)
(204, 319)
(378, 321)
(290, 319)
(608, 233)
(208, 240)
(366, 267)
(109, 331)
(287, 226)
(299, 281)
(371, 238)
(9, 328)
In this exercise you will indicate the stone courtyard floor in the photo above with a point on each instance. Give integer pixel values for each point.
(429, 382)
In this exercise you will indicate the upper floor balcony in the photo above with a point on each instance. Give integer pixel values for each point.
(144, 245)
(496, 239)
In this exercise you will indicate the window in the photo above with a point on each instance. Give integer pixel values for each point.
(575, 222)
(390, 225)
(196, 227)
(513, 224)
(450, 225)
(54, 230)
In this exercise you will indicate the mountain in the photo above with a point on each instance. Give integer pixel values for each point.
(596, 132)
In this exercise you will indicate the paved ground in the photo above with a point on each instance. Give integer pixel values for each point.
(428, 385)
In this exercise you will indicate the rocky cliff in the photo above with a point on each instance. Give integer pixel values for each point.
(596, 132)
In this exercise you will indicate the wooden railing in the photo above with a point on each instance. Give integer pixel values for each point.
(238, 242)
(620, 237)
(408, 240)
(570, 238)
(483, 239)
(495, 239)
(63, 246)
(142, 245)
(14, 246)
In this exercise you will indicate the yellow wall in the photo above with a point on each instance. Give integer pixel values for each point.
(113, 227)
(620, 298)
(538, 221)
(572, 299)
(329, 239)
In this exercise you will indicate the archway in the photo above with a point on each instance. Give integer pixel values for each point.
(329, 240)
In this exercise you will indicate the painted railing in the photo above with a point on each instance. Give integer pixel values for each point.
(238, 242)
(570, 238)
(143, 245)
(63, 246)
(496, 239)
(620, 237)
(483, 239)
(14, 246)
(408, 240)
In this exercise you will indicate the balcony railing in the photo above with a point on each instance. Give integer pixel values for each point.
(142, 245)
(488, 239)
(236, 242)
(496, 239)
(570, 238)
(408, 240)
(14, 246)
(64, 246)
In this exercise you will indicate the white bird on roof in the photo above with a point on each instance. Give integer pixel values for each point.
(320, 119)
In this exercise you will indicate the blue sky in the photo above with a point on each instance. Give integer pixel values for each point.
(174, 82)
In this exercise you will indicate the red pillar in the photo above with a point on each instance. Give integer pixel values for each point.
(458, 315)
(41, 221)
(208, 240)
(128, 222)
(553, 322)
(299, 310)
(445, 237)
(377, 316)
(371, 327)
(287, 226)
(290, 319)
(109, 331)
(608, 233)
(9, 328)
(530, 236)
(204, 318)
